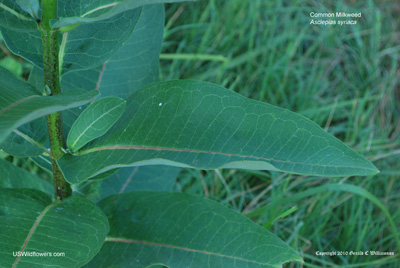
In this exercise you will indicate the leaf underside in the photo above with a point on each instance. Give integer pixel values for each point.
(81, 12)
(86, 47)
(15, 177)
(20, 102)
(145, 178)
(180, 231)
(202, 125)
(95, 121)
(30, 222)
(129, 69)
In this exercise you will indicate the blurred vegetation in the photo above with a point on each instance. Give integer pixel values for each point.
(345, 78)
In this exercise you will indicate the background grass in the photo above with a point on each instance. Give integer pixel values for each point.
(345, 78)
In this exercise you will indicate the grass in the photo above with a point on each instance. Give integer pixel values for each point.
(345, 78)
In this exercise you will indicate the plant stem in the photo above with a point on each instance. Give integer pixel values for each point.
(52, 80)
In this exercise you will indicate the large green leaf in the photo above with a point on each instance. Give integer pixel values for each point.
(31, 223)
(89, 11)
(91, 45)
(20, 102)
(180, 231)
(15, 177)
(95, 121)
(202, 125)
(82, 48)
(133, 66)
(129, 69)
(146, 178)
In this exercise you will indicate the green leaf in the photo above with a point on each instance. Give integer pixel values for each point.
(178, 230)
(85, 47)
(15, 177)
(27, 140)
(146, 178)
(20, 102)
(91, 45)
(26, 44)
(30, 222)
(133, 66)
(129, 69)
(90, 190)
(44, 162)
(124, 180)
(30, 6)
(95, 121)
(14, 17)
(31, 136)
(104, 175)
(80, 12)
(202, 125)
(17, 146)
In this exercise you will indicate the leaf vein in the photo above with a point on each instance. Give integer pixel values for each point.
(130, 241)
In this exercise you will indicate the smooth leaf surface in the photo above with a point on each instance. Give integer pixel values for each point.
(91, 45)
(27, 140)
(85, 47)
(15, 17)
(90, 190)
(133, 66)
(104, 175)
(15, 177)
(20, 102)
(30, 6)
(129, 69)
(30, 222)
(95, 121)
(18, 146)
(26, 44)
(202, 125)
(81, 12)
(145, 178)
(125, 180)
(180, 231)
(43, 161)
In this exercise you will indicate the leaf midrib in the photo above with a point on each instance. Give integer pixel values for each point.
(128, 147)
(12, 11)
(142, 242)
(99, 8)
(35, 225)
(18, 102)
(87, 128)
